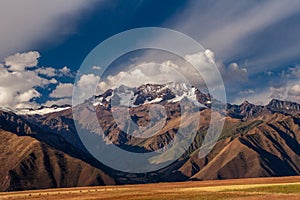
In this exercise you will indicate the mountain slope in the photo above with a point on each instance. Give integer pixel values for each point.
(269, 149)
(27, 162)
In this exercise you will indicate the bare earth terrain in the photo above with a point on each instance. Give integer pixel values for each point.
(254, 188)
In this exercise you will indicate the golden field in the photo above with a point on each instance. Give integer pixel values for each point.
(254, 188)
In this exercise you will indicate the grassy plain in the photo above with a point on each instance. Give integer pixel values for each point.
(248, 189)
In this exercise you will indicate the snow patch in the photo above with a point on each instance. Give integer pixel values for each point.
(41, 111)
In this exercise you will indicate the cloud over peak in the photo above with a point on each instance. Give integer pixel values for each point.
(62, 90)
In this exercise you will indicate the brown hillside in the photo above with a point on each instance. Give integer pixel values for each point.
(26, 163)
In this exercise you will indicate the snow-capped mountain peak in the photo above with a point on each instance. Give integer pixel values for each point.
(42, 110)
(152, 93)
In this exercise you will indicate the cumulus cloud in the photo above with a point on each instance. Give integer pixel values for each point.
(294, 90)
(21, 84)
(47, 71)
(87, 81)
(96, 68)
(52, 72)
(147, 72)
(19, 61)
(53, 81)
(235, 67)
(202, 58)
(233, 73)
(85, 87)
(26, 81)
(278, 92)
(65, 71)
(199, 70)
(62, 90)
(288, 93)
(28, 95)
(19, 87)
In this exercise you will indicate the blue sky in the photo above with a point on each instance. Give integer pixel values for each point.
(255, 43)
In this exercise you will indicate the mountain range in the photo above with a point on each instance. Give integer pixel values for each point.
(41, 148)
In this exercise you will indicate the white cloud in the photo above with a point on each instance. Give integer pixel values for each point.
(65, 71)
(205, 61)
(52, 72)
(19, 86)
(85, 88)
(294, 90)
(19, 61)
(289, 92)
(5, 96)
(63, 101)
(53, 81)
(202, 58)
(290, 89)
(23, 91)
(148, 72)
(62, 90)
(88, 80)
(210, 55)
(278, 92)
(28, 95)
(203, 66)
(96, 68)
(47, 71)
(233, 73)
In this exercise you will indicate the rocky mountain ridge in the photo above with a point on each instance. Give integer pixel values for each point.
(255, 141)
